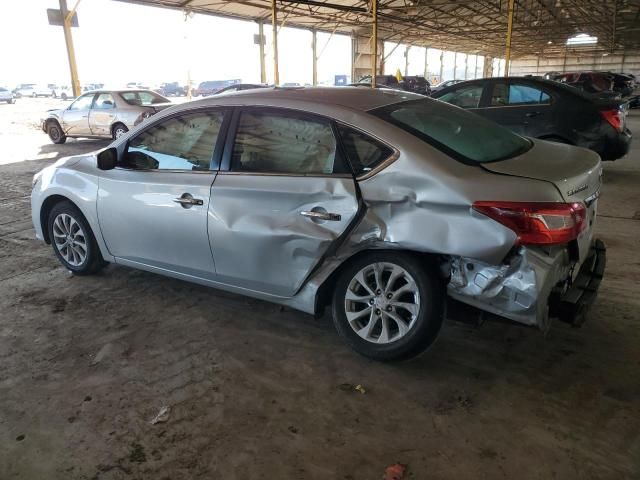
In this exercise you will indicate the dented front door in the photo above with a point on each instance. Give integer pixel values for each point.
(267, 232)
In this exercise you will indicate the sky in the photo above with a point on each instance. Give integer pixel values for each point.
(117, 43)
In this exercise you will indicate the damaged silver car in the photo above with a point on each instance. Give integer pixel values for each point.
(102, 114)
(384, 205)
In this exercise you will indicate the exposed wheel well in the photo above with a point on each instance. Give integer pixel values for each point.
(325, 292)
(45, 209)
(53, 120)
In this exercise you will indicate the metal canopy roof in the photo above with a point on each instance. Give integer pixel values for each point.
(541, 27)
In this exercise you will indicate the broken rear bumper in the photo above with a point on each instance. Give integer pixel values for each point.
(573, 305)
(532, 286)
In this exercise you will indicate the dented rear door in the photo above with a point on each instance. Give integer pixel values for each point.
(282, 198)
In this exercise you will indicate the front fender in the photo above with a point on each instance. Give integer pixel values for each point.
(77, 183)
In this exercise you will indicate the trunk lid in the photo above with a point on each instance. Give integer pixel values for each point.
(576, 172)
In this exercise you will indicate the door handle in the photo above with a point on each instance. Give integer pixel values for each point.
(187, 200)
(532, 114)
(313, 215)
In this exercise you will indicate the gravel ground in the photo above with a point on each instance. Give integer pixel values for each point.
(255, 391)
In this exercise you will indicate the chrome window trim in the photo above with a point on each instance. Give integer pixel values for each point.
(283, 174)
(384, 164)
(164, 170)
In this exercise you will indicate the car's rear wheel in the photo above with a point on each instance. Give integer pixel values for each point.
(118, 130)
(388, 305)
(55, 133)
(73, 241)
(63, 96)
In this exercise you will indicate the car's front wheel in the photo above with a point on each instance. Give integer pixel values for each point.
(55, 132)
(73, 241)
(388, 305)
(118, 130)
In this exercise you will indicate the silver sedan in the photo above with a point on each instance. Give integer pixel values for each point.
(382, 205)
(102, 114)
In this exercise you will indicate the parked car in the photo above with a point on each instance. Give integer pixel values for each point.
(624, 84)
(172, 89)
(249, 192)
(213, 86)
(547, 110)
(32, 90)
(382, 81)
(416, 84)
(7, 95)
(62, 92)
(90, 87)
(102, 114)
(445, 84)
(597, 82)
(24, 90)
(241, 86)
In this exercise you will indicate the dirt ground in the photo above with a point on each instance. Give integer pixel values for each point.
(256, 392)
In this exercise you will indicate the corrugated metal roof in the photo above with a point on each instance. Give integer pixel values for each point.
(540, 27)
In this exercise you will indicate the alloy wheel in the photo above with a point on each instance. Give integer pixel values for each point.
(54, 133)
(70, 239)
(118, 132)
(382, 302)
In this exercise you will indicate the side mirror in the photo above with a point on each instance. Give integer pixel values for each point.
(108, 159)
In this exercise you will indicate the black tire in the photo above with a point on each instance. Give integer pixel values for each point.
(35, 95)
(55, 133)
(117, 128)
(63, 96)
(422, 331)
(93, 261)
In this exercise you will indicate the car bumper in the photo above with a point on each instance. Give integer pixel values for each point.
(532, 287)
(617, 146)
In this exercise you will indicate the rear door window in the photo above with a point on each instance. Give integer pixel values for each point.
(517, 94)
(285, 142)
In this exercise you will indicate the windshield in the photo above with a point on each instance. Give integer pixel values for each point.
(465, 136)
(143, 98)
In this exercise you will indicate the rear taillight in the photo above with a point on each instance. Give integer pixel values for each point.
(614, 117)
(538, 223)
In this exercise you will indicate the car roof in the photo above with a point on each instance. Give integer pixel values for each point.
(351, 97)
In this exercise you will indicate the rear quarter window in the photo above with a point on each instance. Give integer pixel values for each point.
(364, 153)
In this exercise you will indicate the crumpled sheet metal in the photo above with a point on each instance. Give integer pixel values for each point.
(477, 279)
(518, 290)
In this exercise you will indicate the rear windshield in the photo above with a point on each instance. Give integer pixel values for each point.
(143, 98)
(465, 136)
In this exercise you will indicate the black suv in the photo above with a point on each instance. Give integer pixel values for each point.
(172, 88)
